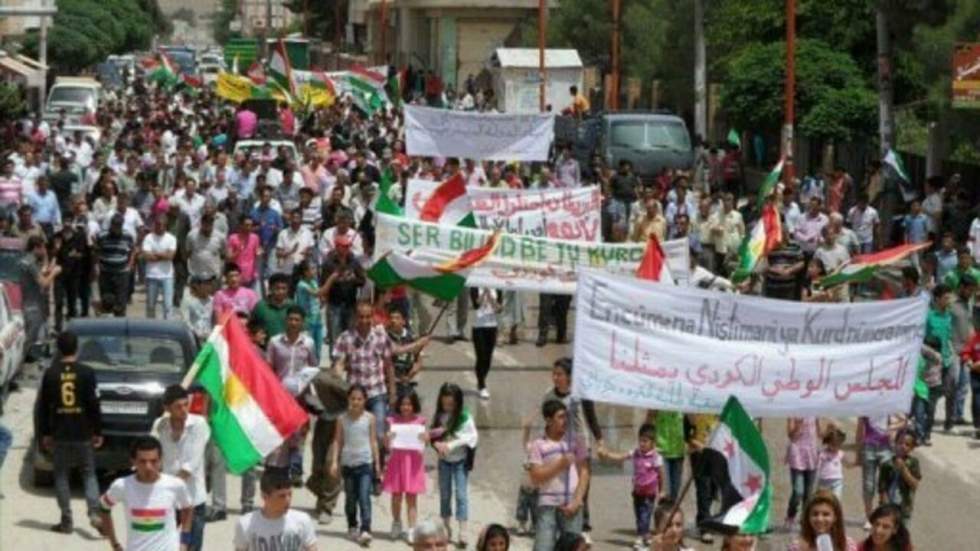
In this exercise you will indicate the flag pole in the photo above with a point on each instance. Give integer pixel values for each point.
(196, 366)
(684, 491)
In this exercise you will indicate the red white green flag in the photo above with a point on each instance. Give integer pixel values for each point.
(449, 204)
(251, 413)
(862, 268)
(765, 237)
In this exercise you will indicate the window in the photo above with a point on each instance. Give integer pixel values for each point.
(131, 353)
(640, 134)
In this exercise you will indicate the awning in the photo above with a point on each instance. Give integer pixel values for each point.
(21, 72)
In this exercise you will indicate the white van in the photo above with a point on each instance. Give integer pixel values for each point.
(77, 96)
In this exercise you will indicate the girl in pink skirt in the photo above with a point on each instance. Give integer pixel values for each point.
(405, 474)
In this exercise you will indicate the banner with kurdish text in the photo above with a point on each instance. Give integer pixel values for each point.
(644, 344)
(556, 213)
(431, 132)
(520, 262)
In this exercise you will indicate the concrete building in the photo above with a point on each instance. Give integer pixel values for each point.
(253, 16)
(17, 26)
(455, 38)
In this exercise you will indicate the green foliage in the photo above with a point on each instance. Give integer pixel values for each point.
(833, 101)
(12, 104)
(224, 17)
(86, 31)
(322, 15)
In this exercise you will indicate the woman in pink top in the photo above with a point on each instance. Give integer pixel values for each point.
(243, 249)
(801, 457)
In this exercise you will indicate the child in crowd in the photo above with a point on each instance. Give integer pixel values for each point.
(307, 297)
(928, 388)
(405, 472)
(899, 477)
(801, 457)
(648, 480)
(830, 463)
(454, 437)
(406, 362)
(355, 456)
(669, 533)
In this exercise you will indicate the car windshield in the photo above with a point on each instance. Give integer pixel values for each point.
(131, 353)
(650, 134)
(66, 94)
(256, 148)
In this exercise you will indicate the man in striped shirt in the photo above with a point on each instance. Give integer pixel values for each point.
(116, 251)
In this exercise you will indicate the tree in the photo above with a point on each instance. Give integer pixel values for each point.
(86, 31)
(12, 104)
(834, 100)
(323, 15)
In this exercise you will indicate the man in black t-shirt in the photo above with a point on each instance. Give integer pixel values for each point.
(343, 275)
(70, 427)
(784, 274)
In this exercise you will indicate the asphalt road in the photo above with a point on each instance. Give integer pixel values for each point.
(944, 518)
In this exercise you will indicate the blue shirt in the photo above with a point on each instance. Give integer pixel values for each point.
(46, 209)
(269, 222)
(916, 228)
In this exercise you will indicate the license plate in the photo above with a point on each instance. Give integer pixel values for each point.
(125, 408)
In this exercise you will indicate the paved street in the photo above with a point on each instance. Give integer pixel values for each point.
(947, 498)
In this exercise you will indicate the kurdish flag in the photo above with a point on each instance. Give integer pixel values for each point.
(768, 186)
(164, 73)
(444, 281)
(449, 204)
(367, 88)
(864, 267)
(766, 236)
(251, 414)
(280, 70)
(737, 461)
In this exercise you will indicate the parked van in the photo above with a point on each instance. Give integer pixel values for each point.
(650, 140)
(77, 96)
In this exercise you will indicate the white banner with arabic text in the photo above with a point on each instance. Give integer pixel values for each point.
(649, 345)
(556, 213)
(431, 132)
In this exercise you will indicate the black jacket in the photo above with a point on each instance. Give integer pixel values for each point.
(68, 407)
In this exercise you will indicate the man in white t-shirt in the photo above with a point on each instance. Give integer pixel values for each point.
(863, 219)
(294, 244)
(152, 501)
(184, 439)
(275, 525)
(159, 248)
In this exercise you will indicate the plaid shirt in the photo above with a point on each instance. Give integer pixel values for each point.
(366, 357)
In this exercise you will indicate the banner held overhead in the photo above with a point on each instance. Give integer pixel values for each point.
(481, 136)
(656, 346)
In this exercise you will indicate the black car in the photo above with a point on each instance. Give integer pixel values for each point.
(134, 361)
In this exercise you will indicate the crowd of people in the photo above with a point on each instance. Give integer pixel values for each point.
(160, 200)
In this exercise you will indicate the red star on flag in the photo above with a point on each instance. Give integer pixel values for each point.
(729, 448)
(753, 483)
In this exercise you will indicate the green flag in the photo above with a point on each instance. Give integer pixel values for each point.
(734, 138)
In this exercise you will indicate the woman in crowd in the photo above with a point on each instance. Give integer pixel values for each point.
(822, 526)
(888, 532)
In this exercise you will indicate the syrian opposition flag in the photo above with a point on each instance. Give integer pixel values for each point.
(737, 462)
(251, 413)
(766, 236)
(768, 186)
(864, 267)
(449, 204)
(280, 70)
(654, 264)
(894, 161)
(444, 281)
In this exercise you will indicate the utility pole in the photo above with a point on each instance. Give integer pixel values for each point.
(700, 74)
(42, 54)
(542, 70)
(788, 168)
(384, 33)
(614, 84)
(886, 113)
(306, 18)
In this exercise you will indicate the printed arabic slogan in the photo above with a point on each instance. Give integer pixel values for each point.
(520, 262)
(645, 344)
(481, 136)
(556, 213)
